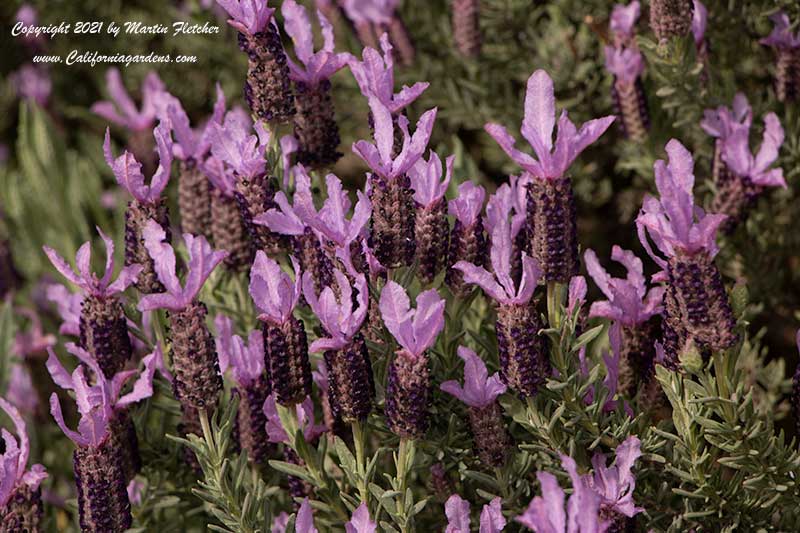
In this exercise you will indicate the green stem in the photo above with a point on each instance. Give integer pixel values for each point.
(406, 447)
(359, 442)
(554, 290)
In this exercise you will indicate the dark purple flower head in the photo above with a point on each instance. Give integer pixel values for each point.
(360, 521)
(623, 19)
(467, 204)
(626, 64)
(337, 316)
(781, 36)
(628, 302)
(379, 156)
(68, 305)
(426, 178)
(247, 16)
(246, 359)
(319, 65)
(737, 155)
(272, 290)
(96, 403)
(233, 144)
(723, 121)
(193, 144)
(375, 76)
(202, 261)
(615, 485)
(673, 221)
(479, 389)
(331, 220)
(414, 329)
(33, 83)
(121, 110)
(88, 280)
(546, 513)
(500, 285)
(305, 415)
(14, 459)
(458, 521)
(128, 171)
(537, 128)
(699, 22)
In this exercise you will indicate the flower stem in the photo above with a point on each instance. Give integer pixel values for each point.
(554, 301)
(359, 442)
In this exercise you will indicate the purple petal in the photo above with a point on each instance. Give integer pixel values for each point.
(428, 320)
(305, 519)
(479, 276)
(360, 522)
(397, 314)
(545, 513)
(540, 113)
(492, 519)
(507, 142)
(457, 510)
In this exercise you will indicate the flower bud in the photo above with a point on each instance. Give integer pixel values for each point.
(255, 197)
(431, 233)
(552, 228)
(352, 387)
(102, 496)
(524, 362)
(315, 126)
(104, 332)
(489, 434)
(392, 225)
(268, 89)
(408, 395)
(630, 104)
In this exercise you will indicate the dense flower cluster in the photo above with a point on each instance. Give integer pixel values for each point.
(349, 358)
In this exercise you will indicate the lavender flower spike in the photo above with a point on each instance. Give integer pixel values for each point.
(467, 241)
(375, 76)
(431, 229)
(721, 123)
(194, 191)
(748, 176)
(623, 23)
(103, 328)
(627, 66)
(671, 18)
(276, 296)
(696, 303)
(247, 365)
(360, 521)
(197, 380)
(314, 124)
(551, 206)
(458, 520)
(146, 203)
(524, 363)
(480, 394)
(244, 153)
(121, 109)
(20, 498)
(392, 233)
(615, 485)
(349, 368)
(408, 387)
(636, 311)
(546, 513)
(787, 48)
(267, 90)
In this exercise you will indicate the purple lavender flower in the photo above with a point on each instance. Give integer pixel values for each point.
(787, 49)
(233, 144)
(121, 430)
(508, 205)
(431, 226)
(121, 110)
(551, 206)
(350, 370)
(695, 300)
(305, 416)
(480, 393)
(20, 498)
(310, 233)
(671, 18)
(458, 520)
(268, 88)
(375, 76)
(103, 328)
(699, 25)
(392, 233)
(194, 359)
(68, 306)
(627, 66)
(276, 296)
(408, 387)
(623, 23)
(546, 513)
(314, 124)
(246, 360)
(194, 192)
(523, 358)
(146, 204)
(33, 83)
(635, 309)
(465, 20)
(359, 14)
(305, 519)
(467, 241)
(360, 521)
(720, 123)
(99, 460)
(615, 485)
(21, 390)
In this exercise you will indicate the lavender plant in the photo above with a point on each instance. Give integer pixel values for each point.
(342, 372)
